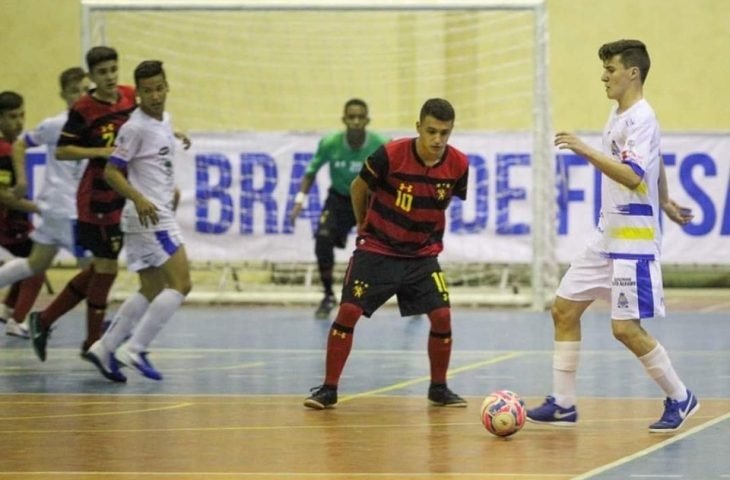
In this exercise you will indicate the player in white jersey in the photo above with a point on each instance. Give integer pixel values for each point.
(57, 198)
(621, 263)
(145, 150)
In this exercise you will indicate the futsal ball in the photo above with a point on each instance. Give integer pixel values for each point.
(503, 413)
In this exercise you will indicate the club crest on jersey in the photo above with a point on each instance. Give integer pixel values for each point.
(441, 190)
(359, 289)
(623, 302)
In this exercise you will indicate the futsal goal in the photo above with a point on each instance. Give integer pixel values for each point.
(260, 76)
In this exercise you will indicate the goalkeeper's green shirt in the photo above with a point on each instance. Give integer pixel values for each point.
(345, 163)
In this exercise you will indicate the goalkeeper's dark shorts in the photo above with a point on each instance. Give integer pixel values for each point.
(337, 219)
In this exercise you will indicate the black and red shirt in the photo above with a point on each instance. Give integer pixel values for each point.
(15, 226)
(94, 123)
(406, 210)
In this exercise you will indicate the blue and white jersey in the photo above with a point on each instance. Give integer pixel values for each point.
(57, 197)
(629, 219)
(145, 146)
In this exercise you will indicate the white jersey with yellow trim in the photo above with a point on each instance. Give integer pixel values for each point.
(629, 219)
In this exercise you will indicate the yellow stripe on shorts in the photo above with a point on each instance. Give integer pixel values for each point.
(633, 233)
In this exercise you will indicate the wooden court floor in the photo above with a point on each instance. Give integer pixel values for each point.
(200, 437)
(230, 405)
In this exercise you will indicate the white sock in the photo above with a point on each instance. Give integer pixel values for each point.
(659, 367)
(124, 321)
(159, 312)
(14, 270)
(565, 366)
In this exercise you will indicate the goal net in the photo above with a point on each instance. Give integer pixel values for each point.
(266, 74)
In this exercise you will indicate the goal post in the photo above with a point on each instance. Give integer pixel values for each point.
(257, 66)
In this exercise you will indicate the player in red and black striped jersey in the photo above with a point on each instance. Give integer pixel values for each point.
(399, 200)
(15, 225)
(89, 132)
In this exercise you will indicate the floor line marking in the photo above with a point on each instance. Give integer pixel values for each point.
(100, 414)
(653, 448)
(452, 475)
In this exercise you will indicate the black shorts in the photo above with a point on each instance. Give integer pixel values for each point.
(103, 241)
(20, 249)
(337, 219)
(418, 283)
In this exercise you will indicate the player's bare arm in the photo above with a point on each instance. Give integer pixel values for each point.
(359, 198)
(21, 182)
(676, 213)
(146, 210)
(75, 152)
(616, 171)
(10, 201)
(176, 199)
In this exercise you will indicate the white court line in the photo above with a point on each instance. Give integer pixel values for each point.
(719, 307)
(653, 448)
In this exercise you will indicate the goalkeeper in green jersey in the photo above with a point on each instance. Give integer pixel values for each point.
(345, 153)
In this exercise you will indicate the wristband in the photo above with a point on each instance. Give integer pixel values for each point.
(299, 197)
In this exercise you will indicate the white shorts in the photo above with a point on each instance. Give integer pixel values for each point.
(150, 249)
(58, 231)
(634, 287)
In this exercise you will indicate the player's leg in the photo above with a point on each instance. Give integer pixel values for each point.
(79, 239)
(359, 296)
(92, 283)
(588, 278)
(27, 295)
(40, 323)
(31, 277)
(40, 258)
(170, 254)
(127, 316)
(335, 224)
(424, 291)
(8, 305)
(640, 294)
(28, 289)
(107, 245)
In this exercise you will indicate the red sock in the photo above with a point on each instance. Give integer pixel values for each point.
(96, 297)
(28, 293)
(339, 342)
(12, 295)
(439, 344)
(72, 294)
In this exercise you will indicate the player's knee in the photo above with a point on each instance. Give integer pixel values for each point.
(440, 319)
(563, 318)
(182, 284)
(186, 287)
(348, 314)
(626, 331)
(40, 259)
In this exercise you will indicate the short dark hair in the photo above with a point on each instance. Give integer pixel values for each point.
(439, 109)
(148, 69)
(358, 102)
(96, 55)
(10, 101)
(70, 76)
(633, 54)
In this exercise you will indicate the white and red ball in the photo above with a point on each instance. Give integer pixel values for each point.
(503, 413)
